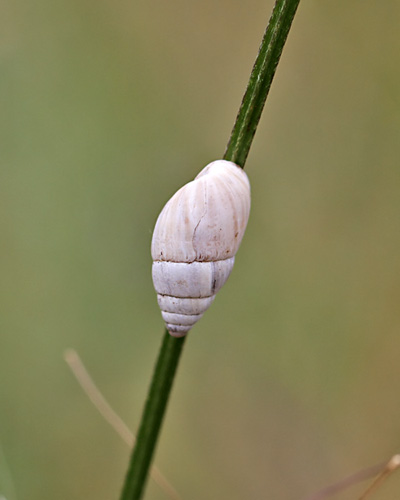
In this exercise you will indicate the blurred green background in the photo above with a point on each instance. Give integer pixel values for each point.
(291, 380)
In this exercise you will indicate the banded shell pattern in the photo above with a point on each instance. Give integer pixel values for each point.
(196, 237)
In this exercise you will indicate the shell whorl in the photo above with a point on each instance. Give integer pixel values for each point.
(196, 237)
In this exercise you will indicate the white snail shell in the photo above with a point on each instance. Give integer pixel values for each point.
(196, 237)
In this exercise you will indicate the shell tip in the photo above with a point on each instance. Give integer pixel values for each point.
(177, 331)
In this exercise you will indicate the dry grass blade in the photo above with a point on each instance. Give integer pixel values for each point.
(348, 481)
(381, 470)
(91, 390)
(391, 466)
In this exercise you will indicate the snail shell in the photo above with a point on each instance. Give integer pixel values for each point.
(196, 237)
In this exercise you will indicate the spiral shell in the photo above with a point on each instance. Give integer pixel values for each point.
(196, 237)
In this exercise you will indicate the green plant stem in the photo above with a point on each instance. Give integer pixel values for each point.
(237, 151)
(152, 417)
(260, 81)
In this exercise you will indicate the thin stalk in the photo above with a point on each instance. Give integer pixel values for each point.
(260, 81)
(152, 417)
(237, 151)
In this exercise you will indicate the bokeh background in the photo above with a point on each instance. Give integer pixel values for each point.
(291, 380)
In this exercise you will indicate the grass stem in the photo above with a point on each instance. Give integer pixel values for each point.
(237, 150)
(152, 417)
(260, 81)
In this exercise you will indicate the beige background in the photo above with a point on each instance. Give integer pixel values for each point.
(291, 380)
